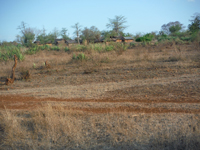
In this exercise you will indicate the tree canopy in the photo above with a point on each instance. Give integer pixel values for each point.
(117, 24)
(172, 27)
(195, 23)
(91, 34)
(27, 34)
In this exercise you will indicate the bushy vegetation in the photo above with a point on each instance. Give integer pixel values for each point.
(80, 56)
(146, 38)
(55, 48)
(7, 52)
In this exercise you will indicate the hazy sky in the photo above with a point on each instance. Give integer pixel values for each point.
(142, 15)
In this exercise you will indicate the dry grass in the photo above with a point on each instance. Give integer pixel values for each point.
(53, 127)
(165, 72)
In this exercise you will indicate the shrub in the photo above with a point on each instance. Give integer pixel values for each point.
(98, 47)
(109, 47)
(74, 56)
(33, 50)
(195, 36)
(80, 56)
(7, 52)
(146, 38)
(186, 38)
(131, 45)
(55, 48)
(81, 47)
(66, 49)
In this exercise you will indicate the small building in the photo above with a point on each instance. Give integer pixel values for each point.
(127, 39)
(38, 43)
(60, 42)
(115, 39)
(71, 42)
(49, 43)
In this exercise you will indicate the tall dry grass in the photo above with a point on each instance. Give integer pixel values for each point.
(54, 127)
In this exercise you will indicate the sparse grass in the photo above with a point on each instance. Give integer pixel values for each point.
(57, 126)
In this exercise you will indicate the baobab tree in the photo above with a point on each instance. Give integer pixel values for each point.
(117, 24)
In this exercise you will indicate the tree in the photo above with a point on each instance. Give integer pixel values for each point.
(195, 23)
(77, 31)
(117, 24)
(56, 33)
(91, 34)
(42, 37)
(28, 34)
(63, 34)
(172, 27)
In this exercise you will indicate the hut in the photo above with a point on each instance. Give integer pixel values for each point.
(37, 43)
(116, 39)
(127, 39)
(60, 42)
(71, 42)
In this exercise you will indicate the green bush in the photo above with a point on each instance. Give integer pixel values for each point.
(195, 36)
(81, 47)
(131, 45)
(55, 48)
(33, 50)
(80, 56)
(109, 47)
(7, 53)
(98, 47)
(186, 38)
(66, 49)
(146, 38)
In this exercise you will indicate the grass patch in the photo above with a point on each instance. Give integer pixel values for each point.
(53, 127)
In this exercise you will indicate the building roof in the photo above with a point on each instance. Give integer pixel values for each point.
(71, 41)
(56, 40)
(128, 38)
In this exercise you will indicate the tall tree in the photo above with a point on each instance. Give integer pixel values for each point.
(63, 34)
(28, 34)
(56, 33)
(77, 31)
(195, 23)
(117, 24)
(91, 34)
(172, 27)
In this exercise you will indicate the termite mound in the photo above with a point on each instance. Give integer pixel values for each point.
(47, 65)
(12, 78)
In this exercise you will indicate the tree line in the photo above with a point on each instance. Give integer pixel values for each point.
(115, 26)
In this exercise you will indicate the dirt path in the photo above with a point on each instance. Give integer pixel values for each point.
(112, 96)
(102, 105)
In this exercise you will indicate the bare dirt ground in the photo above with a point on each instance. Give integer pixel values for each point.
(160, 81)
(139, 86)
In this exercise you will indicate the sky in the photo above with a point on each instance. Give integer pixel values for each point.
(142, 16)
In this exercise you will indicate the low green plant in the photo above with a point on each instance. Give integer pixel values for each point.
(146, 38)
(34, 65)
(74, 56)
(98, 47)
(7, 52)
(55, 48)
(66, 49)
(80, 56)
(109, 48)
(33, 50)
(81, 47)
